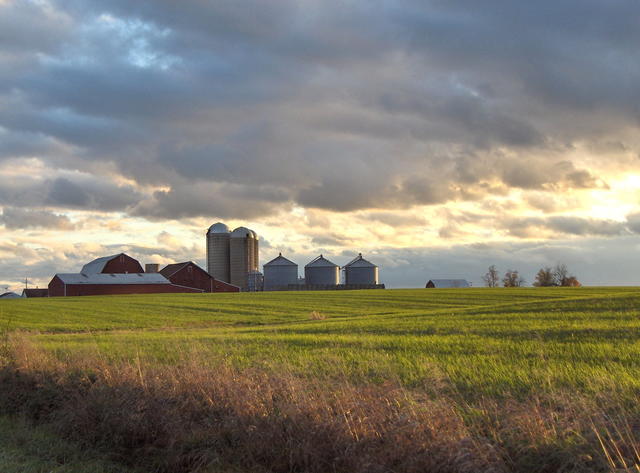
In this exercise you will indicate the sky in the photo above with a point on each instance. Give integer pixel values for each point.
(435, 137)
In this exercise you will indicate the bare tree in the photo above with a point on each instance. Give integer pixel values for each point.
(491, 278)
(560, 274)
(563, 278)
(545, 278)
(512, 279)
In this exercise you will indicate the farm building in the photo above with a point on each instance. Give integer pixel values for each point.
(360, 271)
(80, 284)
(321, 271)
(447, 283)
(279, 273)
(29, 293)
(122, 274)
(116, 264)
(9, 295)
(190, 275)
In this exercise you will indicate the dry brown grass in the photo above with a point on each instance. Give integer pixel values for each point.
(189, 418)
(315, 315)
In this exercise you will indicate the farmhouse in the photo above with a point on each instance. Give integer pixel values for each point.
(447, 283)
(189, 274)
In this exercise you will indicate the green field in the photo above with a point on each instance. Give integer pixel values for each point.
(511, 342)
(548, 378)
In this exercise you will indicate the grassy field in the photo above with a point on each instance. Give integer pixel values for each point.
(472, 345)
(515, 342)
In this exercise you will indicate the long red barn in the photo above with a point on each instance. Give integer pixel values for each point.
(190, 274)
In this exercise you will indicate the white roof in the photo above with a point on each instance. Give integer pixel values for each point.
(219, 227)
(359, 262)
(280, 261)
(121, 278)
(243, 232)
(97, 265)
(320, 261)
(449, 283)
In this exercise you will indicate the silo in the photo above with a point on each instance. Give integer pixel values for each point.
(321, 271)
(243, 251)
(218, 251)
(255, 263)
(360, 271)
(279, 273)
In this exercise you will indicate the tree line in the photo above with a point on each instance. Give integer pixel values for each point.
(546, 277)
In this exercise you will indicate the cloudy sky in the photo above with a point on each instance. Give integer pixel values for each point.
(437, 137)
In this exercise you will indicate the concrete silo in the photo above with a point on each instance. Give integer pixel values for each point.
(321, 271)
(218, 247)
(243, 256)
(360, 271)
(279, 273)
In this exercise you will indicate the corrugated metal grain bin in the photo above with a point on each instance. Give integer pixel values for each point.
(360, 271)
(321, 271)
(279, 273)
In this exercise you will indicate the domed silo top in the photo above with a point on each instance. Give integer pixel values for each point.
(280, 261)
(218, 228)
(360, 262)
(243, 232)
(321, 262)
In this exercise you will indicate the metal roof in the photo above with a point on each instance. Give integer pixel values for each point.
(243, 232)
(171, 269)
(9, 295)
(449, 283)
(359, 262)
(97, 265)
(280, 261)
(218, 227)
(106, 278)
(319, 262)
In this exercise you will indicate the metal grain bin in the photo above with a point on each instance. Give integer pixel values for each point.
(218, 252)
(279, 273)
(360, 271)
(321, 271)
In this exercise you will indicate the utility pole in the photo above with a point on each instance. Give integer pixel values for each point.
(26, 283)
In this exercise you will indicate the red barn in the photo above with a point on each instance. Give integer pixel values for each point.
(79, 284)
(189, 274)
(116, 264)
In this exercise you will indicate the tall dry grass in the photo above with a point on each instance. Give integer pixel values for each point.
(196, 417)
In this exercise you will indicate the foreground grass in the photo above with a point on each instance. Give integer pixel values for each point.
(28, 449)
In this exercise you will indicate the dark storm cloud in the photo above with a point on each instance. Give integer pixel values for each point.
(263, 105)
(17, 218)
(80, 192)
(223, 201)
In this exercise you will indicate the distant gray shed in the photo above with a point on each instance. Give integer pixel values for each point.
(279, 273)
(9, 295)
(447, 283)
